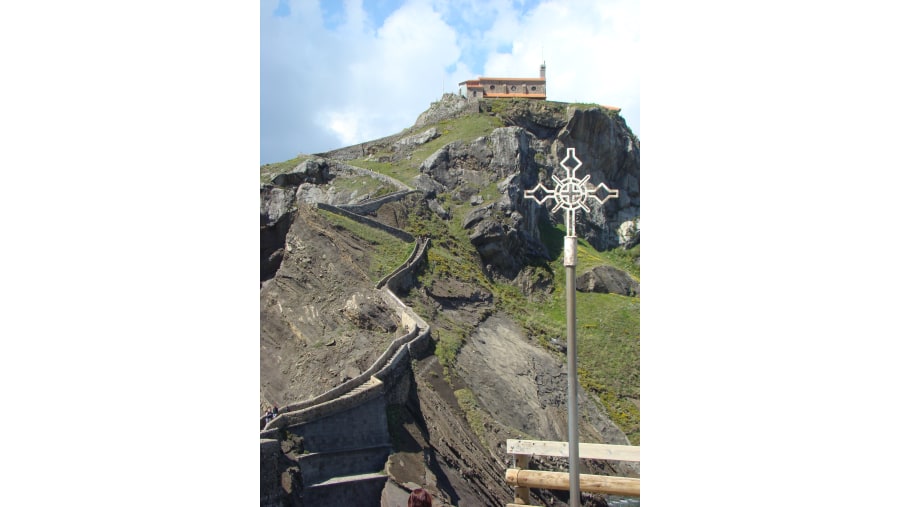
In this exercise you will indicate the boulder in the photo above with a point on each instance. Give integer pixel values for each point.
(607, 279)
(450, 106)
(429, 187)
(314, 170)
(417, 139)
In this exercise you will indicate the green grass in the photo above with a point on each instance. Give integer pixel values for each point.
(608, 325)
(447, 347)
(388, 251)
(474, 416)
(363, 184)
(451, 255)
(466, 129)
(607, 328)
(402, 171)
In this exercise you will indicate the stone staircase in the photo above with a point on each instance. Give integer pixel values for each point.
(363, 490)
(346, 442)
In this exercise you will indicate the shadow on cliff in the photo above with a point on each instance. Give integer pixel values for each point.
(413, 405)
(553, 238)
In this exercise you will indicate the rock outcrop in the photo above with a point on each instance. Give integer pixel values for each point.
(607, 279)
(450, 106)
(314, 170)
(515, 158)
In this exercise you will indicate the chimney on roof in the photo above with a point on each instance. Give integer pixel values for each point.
(544, 70)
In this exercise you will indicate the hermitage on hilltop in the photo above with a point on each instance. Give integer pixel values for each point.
(506, 87)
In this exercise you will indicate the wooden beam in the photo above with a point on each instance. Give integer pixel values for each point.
(585, 451)
(522, 495)
(625, 486)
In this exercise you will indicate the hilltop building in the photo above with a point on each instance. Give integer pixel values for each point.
(506, 87)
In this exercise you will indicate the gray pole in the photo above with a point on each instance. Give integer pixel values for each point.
(570, 194)
(569, 260)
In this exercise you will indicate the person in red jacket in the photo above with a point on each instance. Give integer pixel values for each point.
(419, 498)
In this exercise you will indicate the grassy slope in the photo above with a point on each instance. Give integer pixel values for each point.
(464, 129)
(607, 328)
(389, 251)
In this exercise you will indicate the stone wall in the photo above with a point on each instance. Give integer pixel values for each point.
(345, 430)
(318, 467)
(372, 174)
(371, 206)
(401, 278)
(360, 426)
(405, 236)
(513, 85)
(270, 491)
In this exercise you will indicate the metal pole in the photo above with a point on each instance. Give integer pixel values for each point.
(569, 260)
(570, 194)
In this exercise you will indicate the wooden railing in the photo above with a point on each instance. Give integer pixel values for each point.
(523, 479)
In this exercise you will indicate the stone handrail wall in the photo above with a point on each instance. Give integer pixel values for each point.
(353, 383)
(353, 392)
(410, 263)
(403, 235)
(372, 205)
(371, 389)
(378, 176)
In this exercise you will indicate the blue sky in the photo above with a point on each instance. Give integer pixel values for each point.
(335, 73)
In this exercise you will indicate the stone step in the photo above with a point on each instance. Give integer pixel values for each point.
(320, 467)
(362, 490)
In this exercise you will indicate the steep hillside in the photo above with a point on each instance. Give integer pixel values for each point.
(490, 286)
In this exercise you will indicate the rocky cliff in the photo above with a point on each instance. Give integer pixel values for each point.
(488, 378)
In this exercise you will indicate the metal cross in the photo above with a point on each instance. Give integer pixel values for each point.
(570, 192)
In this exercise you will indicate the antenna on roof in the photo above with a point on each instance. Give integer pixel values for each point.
(543, 64)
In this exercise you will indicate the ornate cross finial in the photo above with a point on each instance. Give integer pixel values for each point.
(570, 193)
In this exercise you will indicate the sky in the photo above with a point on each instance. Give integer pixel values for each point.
(337, 73)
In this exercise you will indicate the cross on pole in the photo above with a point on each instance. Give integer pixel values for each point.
(570, 194)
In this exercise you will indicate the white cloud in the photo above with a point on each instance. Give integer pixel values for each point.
(326, 88)
(591, 49)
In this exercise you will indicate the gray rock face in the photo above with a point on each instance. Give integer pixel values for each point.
(418, 139)
(610, 154)
(607, 279)
(274, 202)
(450, 106)
(529, 390)
(314, 170)
(516, 158)
(543, 119)
(276, 210)
(428, 186)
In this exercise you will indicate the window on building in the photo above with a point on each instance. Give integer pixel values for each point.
(514, 88)
(533, 88)
(492, 87)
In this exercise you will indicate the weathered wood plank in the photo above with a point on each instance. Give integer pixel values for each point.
(585, 451)
(522, 496)
(625, 486)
